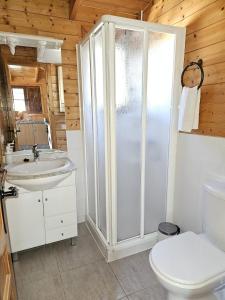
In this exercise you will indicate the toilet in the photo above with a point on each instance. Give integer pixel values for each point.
(192, 266)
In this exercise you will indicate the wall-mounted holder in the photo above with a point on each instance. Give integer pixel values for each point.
(48, 49)
(199, 64)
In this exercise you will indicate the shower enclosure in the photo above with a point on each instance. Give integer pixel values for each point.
(129, 74)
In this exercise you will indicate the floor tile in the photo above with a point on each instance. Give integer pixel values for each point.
(82, 230)
(134, 272)
(47, 288)
(85, 252)
(154, 293)
(65, 272)
(35, 263)
(92, 282)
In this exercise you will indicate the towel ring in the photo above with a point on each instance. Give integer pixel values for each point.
(199, 64)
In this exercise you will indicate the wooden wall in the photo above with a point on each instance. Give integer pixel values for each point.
(49, 91)
(50, 18)
(3, 113)
(86, 10)
(205, 22)
(56, 118)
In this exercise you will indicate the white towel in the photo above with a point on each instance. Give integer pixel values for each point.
(189, 109)
(197, 110)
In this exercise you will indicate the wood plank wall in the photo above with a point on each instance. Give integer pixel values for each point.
(205, 22)
(50, 18)
(49, 91)
(3, 113)
(87, 10)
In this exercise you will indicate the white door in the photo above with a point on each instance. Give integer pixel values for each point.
(25, 221)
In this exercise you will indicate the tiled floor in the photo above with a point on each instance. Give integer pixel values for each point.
(62, 272)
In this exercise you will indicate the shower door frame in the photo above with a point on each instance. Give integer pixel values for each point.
(108, 23)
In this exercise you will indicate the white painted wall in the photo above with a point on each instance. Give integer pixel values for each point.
(197, 158)
(75, 153)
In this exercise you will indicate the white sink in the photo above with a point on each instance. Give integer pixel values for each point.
(39, 175)
(19, 156)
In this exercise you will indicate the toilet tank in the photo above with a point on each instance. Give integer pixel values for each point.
(214, 213)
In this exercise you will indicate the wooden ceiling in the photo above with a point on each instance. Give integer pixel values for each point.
(92, 10)
(25, 75)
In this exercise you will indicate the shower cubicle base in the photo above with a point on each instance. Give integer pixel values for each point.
(124, 248)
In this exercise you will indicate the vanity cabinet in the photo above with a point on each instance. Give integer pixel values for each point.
(42, 217)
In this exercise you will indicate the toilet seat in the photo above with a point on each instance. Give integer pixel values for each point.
(189, 261)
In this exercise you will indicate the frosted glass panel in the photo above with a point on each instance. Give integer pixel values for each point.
(128, 76)
(100, 131)
(159, 85)
(88, 126)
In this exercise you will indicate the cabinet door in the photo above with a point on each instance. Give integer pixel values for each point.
(25, 221)
(59, 201)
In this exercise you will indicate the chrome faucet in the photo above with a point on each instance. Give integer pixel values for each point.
(36, 153)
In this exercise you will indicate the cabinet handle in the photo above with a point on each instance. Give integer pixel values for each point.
(46, 199)
(62, 234)
(61, 221)
(39, 200)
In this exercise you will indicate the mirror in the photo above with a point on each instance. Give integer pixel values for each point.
(34, 100)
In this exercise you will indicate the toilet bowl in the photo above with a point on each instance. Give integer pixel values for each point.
(189, 267)
(192, 266)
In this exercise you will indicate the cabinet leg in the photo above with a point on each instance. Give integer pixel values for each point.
(15, 256)
(73, 241)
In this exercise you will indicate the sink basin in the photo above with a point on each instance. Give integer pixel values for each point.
(39, 175)
(38, 167)
(18, 156)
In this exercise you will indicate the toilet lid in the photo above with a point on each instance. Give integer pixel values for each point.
(188, 259)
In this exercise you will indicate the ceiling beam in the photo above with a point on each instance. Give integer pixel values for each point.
(146, 11)
(74, 4)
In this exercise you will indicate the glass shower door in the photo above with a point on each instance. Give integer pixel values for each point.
(128, 122)
(159, 100)
(128, 71)
(88, 128)
(100, 128)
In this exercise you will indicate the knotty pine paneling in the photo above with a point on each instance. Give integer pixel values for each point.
(39, 22)
(87, 10)
(50, 18)
(87, 13)
(56, 8)
(50, 97)
(205, 23)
